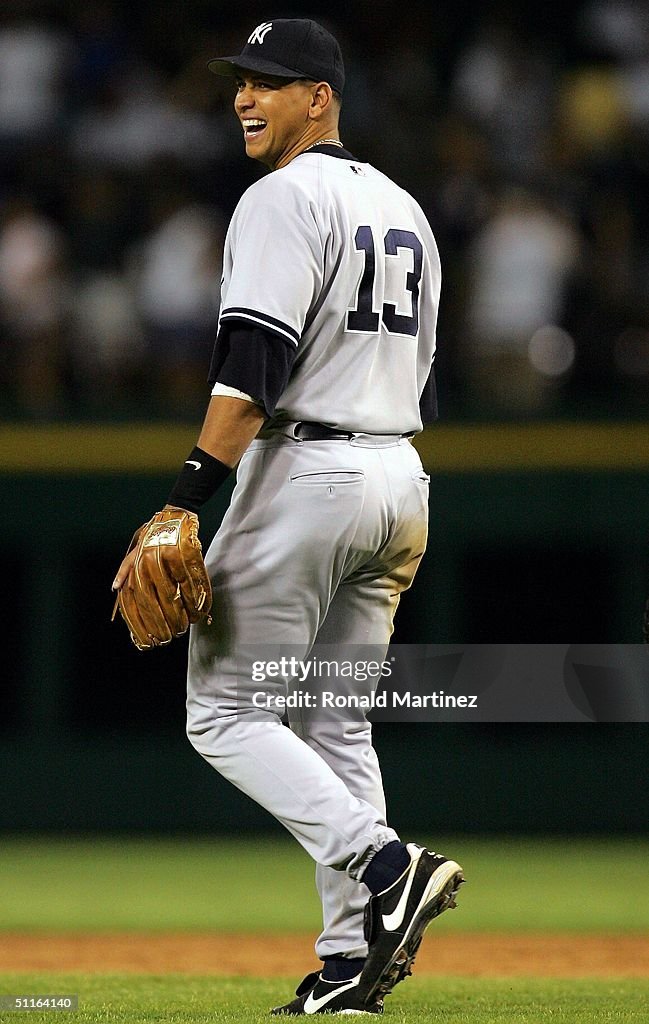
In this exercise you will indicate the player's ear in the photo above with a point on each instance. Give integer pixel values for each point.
(321, 100)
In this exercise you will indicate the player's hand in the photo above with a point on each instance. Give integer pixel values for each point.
(162, 582)
(127, 562)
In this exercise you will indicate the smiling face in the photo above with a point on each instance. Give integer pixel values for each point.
(279, 118)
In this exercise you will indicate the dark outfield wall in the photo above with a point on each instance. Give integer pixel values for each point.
(92, 733)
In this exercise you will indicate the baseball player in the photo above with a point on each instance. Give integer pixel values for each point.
(321, 374)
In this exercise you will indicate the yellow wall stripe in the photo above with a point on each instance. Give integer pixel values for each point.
(470, 448)
(455, 448)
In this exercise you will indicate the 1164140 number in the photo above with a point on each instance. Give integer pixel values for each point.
(39, 1002)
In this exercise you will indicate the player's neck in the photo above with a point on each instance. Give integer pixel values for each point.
(330, 138)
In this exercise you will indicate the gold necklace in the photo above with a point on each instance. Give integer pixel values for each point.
(324, 142)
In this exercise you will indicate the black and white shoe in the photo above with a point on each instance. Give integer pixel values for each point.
(315, 995)
(396, 919)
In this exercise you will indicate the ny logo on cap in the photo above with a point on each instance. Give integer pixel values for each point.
(257, 36)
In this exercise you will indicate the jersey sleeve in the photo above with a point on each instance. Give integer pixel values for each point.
(253, 361)
(275, 252)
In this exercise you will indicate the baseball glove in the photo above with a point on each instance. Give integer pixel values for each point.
(168, 586)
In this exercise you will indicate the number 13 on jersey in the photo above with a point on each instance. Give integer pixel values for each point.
(364, 318)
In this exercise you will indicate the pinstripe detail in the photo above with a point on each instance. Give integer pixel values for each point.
(263, 319)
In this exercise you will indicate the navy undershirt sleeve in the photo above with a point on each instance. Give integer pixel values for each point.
(254, 361)
(428, 401)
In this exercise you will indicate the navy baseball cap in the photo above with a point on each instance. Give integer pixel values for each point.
(289, 48)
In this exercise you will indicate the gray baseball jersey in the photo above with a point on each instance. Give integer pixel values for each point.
(346, 270)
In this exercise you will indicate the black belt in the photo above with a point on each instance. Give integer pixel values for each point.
(319, 432)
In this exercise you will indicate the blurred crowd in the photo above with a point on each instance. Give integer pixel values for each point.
(526, 142)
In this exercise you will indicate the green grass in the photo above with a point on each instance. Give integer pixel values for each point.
(133, 999)
(99, 884)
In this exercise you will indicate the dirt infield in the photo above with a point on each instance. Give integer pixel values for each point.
(557, 955)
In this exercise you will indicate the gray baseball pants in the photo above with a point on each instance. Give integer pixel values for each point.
(320, 539)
